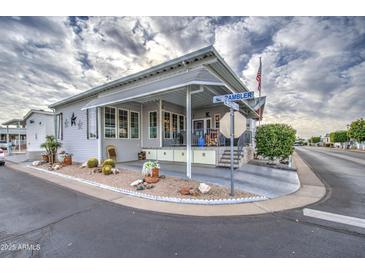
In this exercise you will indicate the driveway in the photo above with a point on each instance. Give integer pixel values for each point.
(66, 223)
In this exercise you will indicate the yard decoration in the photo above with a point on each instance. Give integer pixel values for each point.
(67, 159)
(275, 141)
(51, 145)
(151, 171)
(204, 188)
(45, 157)
(109, 162)
(92, 162)
(107, 169)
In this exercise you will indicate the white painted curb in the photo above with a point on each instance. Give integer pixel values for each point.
(154, 197)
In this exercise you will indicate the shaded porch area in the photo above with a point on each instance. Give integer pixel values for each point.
(262, 181)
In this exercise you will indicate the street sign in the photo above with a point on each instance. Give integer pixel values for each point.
(234, 97)
(233, 105)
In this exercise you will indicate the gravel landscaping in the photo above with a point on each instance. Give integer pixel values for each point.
(168, 186)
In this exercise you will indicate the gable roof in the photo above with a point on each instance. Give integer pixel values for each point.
(39, 111)
(216, 65)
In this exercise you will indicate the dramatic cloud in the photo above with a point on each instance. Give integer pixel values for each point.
(313, 67)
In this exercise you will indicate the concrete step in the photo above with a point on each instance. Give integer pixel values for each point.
(228, 161)
(228, 165)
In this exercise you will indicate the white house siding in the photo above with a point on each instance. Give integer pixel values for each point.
(43, 125)
(209, 112)
(74, 138)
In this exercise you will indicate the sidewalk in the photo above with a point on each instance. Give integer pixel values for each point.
(311, 191)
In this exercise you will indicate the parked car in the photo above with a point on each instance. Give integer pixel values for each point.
(2, 157)
(3, 145)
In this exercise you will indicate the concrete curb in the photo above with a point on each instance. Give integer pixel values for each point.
(154, 197)
(312, 190)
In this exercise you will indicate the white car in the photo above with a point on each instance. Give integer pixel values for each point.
(2, 157)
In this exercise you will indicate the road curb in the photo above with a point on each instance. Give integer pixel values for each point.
(311, 191)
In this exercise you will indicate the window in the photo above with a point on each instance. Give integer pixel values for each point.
(152, 125)
(134, 125)
(167, 125)
(181, 123)
(92, 123)
(109, 122)
(217, 118)
(123, 123)
(59, 126)
(174, 125)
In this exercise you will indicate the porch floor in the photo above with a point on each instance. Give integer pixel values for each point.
(259, 180)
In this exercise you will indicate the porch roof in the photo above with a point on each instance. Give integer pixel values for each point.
(173, 83)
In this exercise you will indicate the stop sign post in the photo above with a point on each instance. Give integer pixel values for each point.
(228, 100)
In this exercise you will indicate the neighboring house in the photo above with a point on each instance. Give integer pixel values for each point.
(326, 141)
(39, 124)
(14, 132)
(166, 111)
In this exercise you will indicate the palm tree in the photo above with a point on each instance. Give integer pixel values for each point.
(51, 145)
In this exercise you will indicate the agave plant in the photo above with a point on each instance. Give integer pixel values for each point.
(51, 145)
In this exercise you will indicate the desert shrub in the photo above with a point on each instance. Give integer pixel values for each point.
(107, 169)
(92, 162)
(275, 141)
(109, 162)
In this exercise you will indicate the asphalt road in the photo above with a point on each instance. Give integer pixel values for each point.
(65, 223)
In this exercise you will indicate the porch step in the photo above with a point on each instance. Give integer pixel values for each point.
(225, 160)
(228, 165)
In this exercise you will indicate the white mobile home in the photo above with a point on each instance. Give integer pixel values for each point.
(166, 111)
(39, 124)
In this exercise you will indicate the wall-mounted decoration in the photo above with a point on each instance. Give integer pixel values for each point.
(40, 123)
(73, 119)
(79, 124)
(31, 121)
(207, 114)
(66, 123)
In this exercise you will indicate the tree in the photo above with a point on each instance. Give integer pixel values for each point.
(357, 130)
(275, 141)
(340, 136)
(51, 145)
(315, 139)
(332, 137)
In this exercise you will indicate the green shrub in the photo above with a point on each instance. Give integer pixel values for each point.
(109, 162)
(92, 162)
(107, 169)
(275, 141)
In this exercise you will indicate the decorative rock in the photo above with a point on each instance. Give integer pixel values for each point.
(162, 177)
(204, 188)
(140, 187)
(193, 192)
(149, 186)
(56, 167)
(36, 163)
(115, 171)
(185, 190)
(136, 182)
(83, 165)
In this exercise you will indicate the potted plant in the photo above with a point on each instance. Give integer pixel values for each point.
(45, 157)
(151, 171)
(67, 159)
(51, 145)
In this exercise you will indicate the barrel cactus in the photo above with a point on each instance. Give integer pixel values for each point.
(107, 169)
(92, 162)
(109, 162)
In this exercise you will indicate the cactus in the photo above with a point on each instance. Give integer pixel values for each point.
(109, 162)
(92, 162)
(107, 169)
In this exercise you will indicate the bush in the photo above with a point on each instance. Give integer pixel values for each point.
(109, 162)
(275, 141)
(93, 162)
(107, 169)
(357, 130)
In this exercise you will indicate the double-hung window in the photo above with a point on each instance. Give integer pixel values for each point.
(181, 123)
(134, 125)
(110, 122)
(92, 123)
(152, 124)
(123, 123)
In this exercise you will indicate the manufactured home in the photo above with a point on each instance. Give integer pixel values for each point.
(167, 111)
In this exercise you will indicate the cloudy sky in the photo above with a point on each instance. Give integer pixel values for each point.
(313, 67)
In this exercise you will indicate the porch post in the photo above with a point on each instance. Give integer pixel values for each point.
(100, 135)
(19, 137)
(161, 124)
(188, 132)
(7, 134)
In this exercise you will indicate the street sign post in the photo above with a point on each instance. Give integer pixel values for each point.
(229, 101)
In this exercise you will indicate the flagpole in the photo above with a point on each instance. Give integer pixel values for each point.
(260, 86)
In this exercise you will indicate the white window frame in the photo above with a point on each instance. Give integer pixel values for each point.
(163, 124)
(149, 123)
(128, 124)
(88, 124)
(116, 123)
(219, 115)
(59, 128)
(139, 125)
(183, 128)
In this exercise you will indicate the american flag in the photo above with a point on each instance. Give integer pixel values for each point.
(258, 78)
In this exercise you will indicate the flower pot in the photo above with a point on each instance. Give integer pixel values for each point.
(67, 160)
(155, 172)
(45, 158)
(151, 180)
